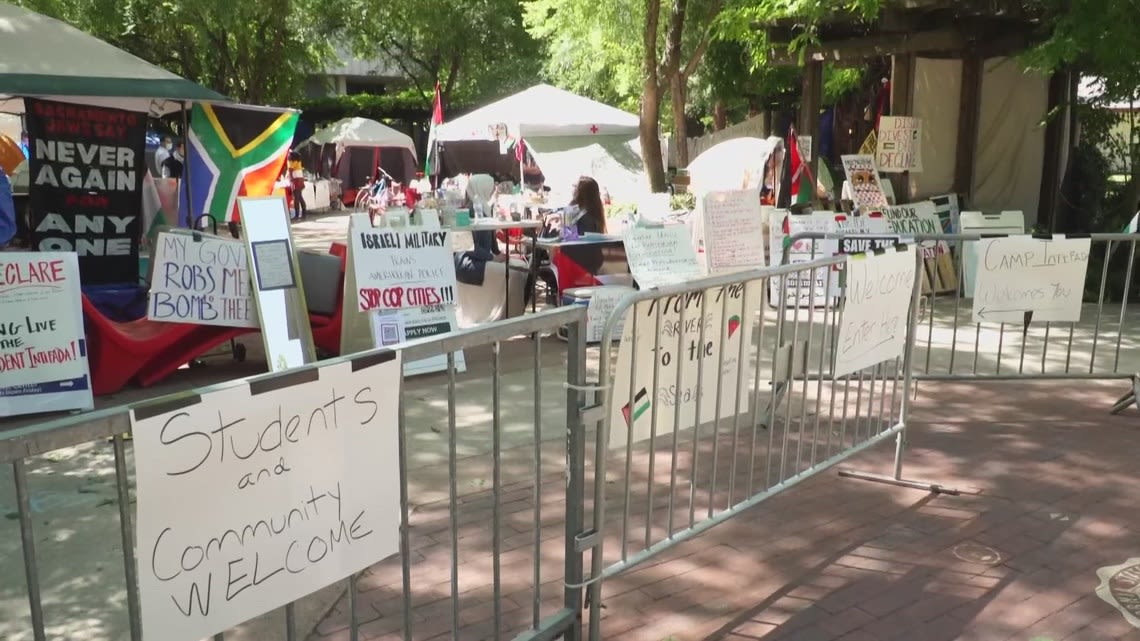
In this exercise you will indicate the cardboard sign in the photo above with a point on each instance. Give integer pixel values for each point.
(670, 337)
(603, 302)
(86, 172)
(734, 236)
(917, 219)
(201, 279)
(975, 222)
(873, 324)
(1021, 275)
(948, 210)
(394, 326)
(255, 495)
(661, 256)
(43, 350)
(798, 288)
(863, 182)
(282, 312)
(898, 146)
(398, 268)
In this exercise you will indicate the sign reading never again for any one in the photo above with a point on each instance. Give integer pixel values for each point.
(873, 325)
(727, 315)
(281, 491)
(86, 186)
(1019, 274)
(405, 267)
(203, 280)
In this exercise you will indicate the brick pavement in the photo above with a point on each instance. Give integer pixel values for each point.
(1051, 480)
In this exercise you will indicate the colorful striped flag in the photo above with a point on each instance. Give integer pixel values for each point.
(431, 163)
(233, 151)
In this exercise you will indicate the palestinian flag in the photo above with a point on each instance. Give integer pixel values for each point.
(802, 189)
(639, 407)
(234, 151)
(431, 164)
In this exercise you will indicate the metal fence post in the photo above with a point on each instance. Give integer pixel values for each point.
(575, 471)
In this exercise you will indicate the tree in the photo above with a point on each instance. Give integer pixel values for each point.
(477, 48)
(252, 51)
(590, 50)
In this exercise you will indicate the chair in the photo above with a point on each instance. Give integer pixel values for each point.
(326, 305)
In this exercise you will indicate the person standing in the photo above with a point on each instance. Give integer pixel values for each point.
(7, 210)
(173, 165)
(25, 145)
(296, 173)
(161, 154)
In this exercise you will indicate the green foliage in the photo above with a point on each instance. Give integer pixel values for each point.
(250, 50)
(838, 82)
(686, 202)
(405, 105)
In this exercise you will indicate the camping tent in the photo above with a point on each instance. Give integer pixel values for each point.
(566, 134)
(45, 58)
(737, 163)
(352, 148)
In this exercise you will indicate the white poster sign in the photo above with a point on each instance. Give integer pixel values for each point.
(670, 336)
(976, 222)
(863, 181)
(398, 268)
(258, 494)
(947, 208)
(201, 279)
(43, 349)
(798, 288)
(898, 146)
(873, 325)
(734, 236)
(1017, 275)
(393, 326)
(916, 219)
(660, 256)
(603, 302)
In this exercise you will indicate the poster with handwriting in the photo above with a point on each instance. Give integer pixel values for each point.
(683, 337)
(863, 181)
(1017, 275)
(397, 268)
(257, 494)
(734, 236)
(799, 288)
(202, 280)
(873, 324)
(603, 302)
(898, 147)
(43, 349)
(661, 255)
(917, 219)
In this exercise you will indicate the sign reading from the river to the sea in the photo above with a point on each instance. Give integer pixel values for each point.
(1021, 278)
(257, 494)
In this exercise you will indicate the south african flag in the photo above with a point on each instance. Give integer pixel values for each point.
(234, 151)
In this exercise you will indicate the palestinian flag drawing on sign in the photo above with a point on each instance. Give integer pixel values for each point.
(234, 151)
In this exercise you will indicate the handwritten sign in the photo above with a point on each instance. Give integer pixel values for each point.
(1020, 274)
(86, 171)
(253, 496)
(863, 181)
(204, 281)
(916, 219)
(799, 287)
(873, 325)
(397, 268)
(43, 352)
(898, 147)
(661, 256)
(603, 302)
(734, 237)
(691, 332)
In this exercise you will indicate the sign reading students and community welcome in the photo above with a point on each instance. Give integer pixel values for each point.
(86, 171)
(280, 490)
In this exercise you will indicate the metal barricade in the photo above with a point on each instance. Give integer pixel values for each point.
(949, 345)
(752, 412)
(479, 557)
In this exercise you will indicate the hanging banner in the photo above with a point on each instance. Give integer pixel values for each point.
(86, 176)
(43, 351)
(261, 492)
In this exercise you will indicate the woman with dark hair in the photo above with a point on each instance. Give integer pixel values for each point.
(588, 200)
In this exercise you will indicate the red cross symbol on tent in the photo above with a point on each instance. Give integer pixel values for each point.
(593, 129)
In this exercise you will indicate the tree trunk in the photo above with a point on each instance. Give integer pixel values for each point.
(720, 115)
(680, 125)
(650, 135)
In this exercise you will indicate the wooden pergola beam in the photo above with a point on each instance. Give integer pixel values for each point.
(856, 49)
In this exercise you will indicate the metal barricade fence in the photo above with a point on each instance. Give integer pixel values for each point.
(479, 557)
(719, 397)
(949, 345)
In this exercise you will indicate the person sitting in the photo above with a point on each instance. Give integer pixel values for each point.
(588, 200)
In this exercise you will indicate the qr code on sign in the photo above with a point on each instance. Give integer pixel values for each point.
(389, 334)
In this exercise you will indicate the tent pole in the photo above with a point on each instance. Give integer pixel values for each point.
(185, 178)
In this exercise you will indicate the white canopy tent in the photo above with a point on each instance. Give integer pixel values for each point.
(567, 135)
(361, 132)
(45, 58)
(350, 149)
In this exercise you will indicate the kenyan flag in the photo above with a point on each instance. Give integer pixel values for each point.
(234, 151)
(431, 163)
(802, 183)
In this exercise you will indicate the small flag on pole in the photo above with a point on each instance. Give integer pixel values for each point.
(431, 162)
